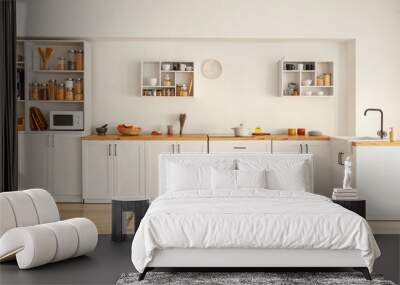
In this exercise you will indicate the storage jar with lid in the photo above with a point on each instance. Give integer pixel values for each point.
(184, 90)
(167, 80)
(327, 79)
(51, 89)
(43, 91)
(69, 94)
(79, 59)
(78, 86)
(61, 63)
(60, 92)
(78, 97)
(71, 59)
(69, 83)
(35, 91)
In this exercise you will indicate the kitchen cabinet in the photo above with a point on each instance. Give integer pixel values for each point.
(53, 162)
(112, 169)
(321, 160)
(233, 146)
(153, 149)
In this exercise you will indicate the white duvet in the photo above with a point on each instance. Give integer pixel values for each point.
(250, 219)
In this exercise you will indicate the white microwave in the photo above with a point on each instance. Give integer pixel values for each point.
(66, 120)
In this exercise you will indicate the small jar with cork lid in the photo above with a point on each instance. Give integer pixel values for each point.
(60, 91)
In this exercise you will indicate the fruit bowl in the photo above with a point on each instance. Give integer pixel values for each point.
(128, 130)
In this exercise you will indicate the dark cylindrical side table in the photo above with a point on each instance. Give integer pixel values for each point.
(138, 207)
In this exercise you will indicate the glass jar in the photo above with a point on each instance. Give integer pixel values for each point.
(327, 79)
(69, 83)
(79, 59)
(78, 97)
(69, 94)
(184, 90)
(51, 89)
(60, 92)
(71, 59)
(61, 63)
(167, 80)
(35, 91)
(43, 91)
(78, 86)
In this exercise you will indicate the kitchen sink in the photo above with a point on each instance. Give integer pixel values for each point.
(365, 138)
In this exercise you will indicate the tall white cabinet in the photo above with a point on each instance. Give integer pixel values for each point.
(53, 162)
(113, 169)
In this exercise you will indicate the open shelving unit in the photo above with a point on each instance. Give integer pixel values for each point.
(156, 70)
(299, 75)
(33, 73)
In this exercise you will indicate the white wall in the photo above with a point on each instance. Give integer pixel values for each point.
(374, 24)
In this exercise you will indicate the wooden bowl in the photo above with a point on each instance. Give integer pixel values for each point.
(134, 131)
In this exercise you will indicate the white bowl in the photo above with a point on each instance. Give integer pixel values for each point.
(309, 93)
(320, 93)
(307, 82)
(151, 81)
(166, 66)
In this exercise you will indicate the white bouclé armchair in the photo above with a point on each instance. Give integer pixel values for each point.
(31, 230)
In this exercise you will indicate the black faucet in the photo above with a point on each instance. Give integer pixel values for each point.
(381, 133)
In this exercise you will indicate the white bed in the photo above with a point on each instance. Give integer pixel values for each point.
(241, 227)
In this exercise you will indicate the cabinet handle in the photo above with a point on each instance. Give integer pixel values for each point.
(179, 148)
(307, 148)
(340, 158)
(109, 149)
(239, 147)
(173, 148)
(115, 149)
(301, 148)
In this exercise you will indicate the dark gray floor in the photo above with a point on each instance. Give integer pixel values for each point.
(109, 260)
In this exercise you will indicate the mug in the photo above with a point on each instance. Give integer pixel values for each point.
(166, 66)
(300, 66)
(291, 132)
(182, 67)
(301, 132)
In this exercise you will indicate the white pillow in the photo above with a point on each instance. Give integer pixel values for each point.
(188, 177)
(291, 178)
(251, 178)
(223, 179)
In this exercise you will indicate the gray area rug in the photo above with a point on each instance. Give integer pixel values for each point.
(269, 278)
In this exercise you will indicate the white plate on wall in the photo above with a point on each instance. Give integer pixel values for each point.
(212, 69)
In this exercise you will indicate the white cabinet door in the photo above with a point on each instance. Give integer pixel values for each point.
(321, 160)
(288, 147)
(340, 150)
(36, 161)
(152, 151)
(128, 170)
(239, 146)
(191, 146)
(65, 167)
(322, 166)
(97, 164)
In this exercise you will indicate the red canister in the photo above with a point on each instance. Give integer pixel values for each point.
(301, 132)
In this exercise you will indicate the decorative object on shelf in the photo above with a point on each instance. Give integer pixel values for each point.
(170, 130)
(300, 66)
(292, 132)
(347, 174)
(307, 82)
(45, 54)
(128, 130)
(182, 66)
(301, 132)
(189, 68)
(290, 66)
(37, 121)
(309, 66)
(241, 131)
(101, 131)
(212, 69)
(182, 119)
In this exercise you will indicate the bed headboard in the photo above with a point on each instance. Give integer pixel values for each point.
(215, 158)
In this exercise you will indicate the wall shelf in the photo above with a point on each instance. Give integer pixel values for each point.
(57, 71)
(298, 75)
(179, 79)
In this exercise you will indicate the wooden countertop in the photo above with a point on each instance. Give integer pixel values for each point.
(233, 138)
(146, 137)
(300, 138)
(375, 143)
(200, 137)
